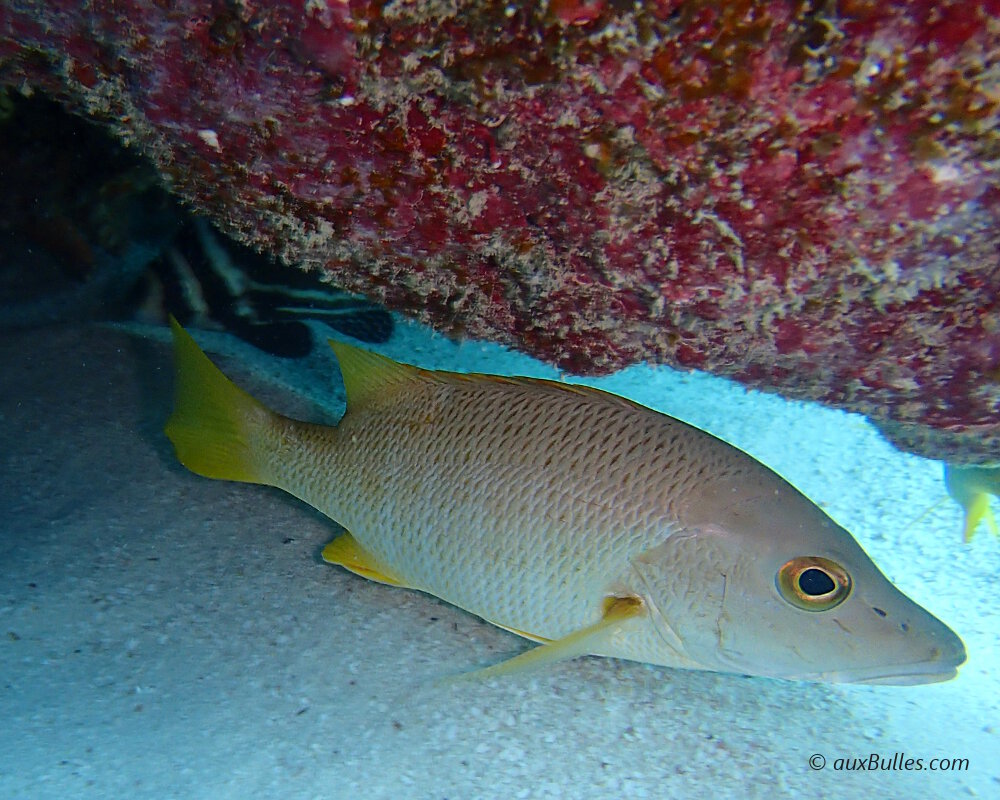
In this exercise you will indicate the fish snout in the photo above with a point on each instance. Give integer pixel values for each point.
(927, 651)
(941, 661)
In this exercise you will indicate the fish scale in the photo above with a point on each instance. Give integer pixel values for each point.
(495, 539)
(572, 517)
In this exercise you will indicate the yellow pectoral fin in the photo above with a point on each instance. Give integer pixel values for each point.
(344, 551)
(578, 643)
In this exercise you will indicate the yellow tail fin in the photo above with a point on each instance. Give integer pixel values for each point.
(977, 509)
(215, 423)
(971, 486)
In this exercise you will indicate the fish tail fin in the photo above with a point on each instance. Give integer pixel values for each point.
(215, 424)
(977, 510)
(971, 487)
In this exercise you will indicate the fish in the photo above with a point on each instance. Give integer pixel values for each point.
(210, 281)
(971, 486)
(575, 518)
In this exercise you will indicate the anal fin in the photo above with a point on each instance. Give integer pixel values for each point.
(525, 634)
(578, 643)
(344, 551)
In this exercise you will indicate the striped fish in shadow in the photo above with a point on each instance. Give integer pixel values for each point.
(208, 281)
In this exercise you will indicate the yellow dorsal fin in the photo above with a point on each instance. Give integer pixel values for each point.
(368, 376)
(579, 643)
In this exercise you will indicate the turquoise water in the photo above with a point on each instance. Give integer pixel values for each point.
(163, 635)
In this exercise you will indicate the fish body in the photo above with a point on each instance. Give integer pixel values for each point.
(573, 517)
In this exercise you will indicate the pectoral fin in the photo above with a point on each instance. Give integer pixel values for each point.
(344, 551)
(578, 643)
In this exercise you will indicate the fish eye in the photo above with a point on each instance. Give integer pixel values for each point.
(813, 583)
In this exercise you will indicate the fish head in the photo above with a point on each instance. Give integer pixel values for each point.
(764, 583)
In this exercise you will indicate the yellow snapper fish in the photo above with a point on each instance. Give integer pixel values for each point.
(971, 487)
(573, 517)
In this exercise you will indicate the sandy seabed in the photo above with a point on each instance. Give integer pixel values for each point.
(167, 636)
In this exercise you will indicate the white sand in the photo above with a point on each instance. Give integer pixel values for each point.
(162, 635)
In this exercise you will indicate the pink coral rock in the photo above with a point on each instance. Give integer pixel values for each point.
(801, 196)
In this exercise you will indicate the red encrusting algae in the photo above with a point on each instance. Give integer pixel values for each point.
(800, 196)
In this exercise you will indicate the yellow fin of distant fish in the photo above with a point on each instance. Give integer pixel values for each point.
(977, 509)
(345, 551)
(971, 486)
(578, 643)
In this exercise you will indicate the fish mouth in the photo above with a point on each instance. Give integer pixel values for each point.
(913, 674)
(937, 660)
(909, 679)
(883, 675)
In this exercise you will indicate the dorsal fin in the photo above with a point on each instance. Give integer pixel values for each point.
(368, 375)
